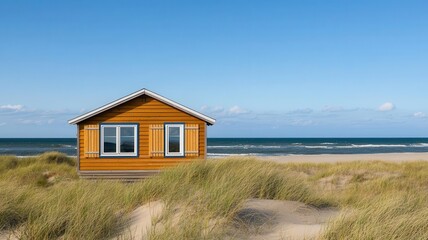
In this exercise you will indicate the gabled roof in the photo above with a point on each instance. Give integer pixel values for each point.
(139, 93)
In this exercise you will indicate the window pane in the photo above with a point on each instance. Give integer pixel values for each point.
(127, 131)
(174, 131)
(127, 139)
(109, 139)
(174, 139)
(110, 131)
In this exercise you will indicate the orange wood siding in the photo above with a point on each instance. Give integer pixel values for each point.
(146, 111)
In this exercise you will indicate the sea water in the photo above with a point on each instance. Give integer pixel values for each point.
(35, 146)
(241, 146)
(309, 146)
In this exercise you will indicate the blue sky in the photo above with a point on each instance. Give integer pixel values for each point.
(261, 68)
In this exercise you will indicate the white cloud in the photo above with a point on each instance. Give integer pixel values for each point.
(13, 115)
(16, 107)
(208, 109)
(329, 108)
(301, 122)
(388, 106)
(30, 121)
(333, 109)
(301, 111)
(419, 115)
(37, 120)
(237, 110)
(219, 111)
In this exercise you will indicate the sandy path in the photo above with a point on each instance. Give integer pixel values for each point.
(332, 158)
(275, 219)
(8, 235)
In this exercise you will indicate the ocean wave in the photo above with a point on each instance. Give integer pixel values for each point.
(237, 154)
(68, 146)
(373, 146)
(319, 147)
(325, 145)
(215, 155)
(245, 146)
(367, 146)
(419, 145)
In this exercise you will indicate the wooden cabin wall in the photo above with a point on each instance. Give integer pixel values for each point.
(145, 111)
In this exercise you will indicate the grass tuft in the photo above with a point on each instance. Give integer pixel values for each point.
(398, 216)
(57, 158)
(8, 162)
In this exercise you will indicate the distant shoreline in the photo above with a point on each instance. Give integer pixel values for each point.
(73, 156)
(333, 158)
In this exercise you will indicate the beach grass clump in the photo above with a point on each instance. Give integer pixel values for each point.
(14, 209)
(222, 185)
(210, 193)
(43, 198)
(398, 216)
(57, 158)
(82, 210)
(38, 172)
(380, 200)
(8, 162)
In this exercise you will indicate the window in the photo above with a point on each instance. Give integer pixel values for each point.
(119, 140)
(174, 140)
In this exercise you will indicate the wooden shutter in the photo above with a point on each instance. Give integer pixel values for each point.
(192, 140)
(156, 140)
(91, 141)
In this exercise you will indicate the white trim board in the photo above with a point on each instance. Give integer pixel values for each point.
(139, 93)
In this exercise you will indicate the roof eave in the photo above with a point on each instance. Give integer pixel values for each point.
(106, 107)
(141, 92)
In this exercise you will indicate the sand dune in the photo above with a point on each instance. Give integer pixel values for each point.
(8, 235)
(140, 221)
(275, 219)
(258, 219)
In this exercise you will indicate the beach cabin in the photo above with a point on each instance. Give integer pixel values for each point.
(138, 135)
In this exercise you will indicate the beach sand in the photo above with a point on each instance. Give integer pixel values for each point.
(333, 158)
(258, 219)
(276, 219)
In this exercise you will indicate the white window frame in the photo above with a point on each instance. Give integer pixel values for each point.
(118, 153)
(174, 154)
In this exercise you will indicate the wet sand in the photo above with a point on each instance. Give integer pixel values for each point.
(333, 158)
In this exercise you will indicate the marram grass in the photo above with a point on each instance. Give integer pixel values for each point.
(43, 198)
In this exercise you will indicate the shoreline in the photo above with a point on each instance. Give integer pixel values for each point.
(334, 158)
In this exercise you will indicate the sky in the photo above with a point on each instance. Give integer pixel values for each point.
(261, 68)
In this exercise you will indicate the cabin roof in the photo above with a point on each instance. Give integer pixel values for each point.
(139, 93)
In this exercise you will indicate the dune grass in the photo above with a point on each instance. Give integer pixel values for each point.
(43, 198)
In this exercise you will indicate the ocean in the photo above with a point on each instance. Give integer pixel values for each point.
(242, 146)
